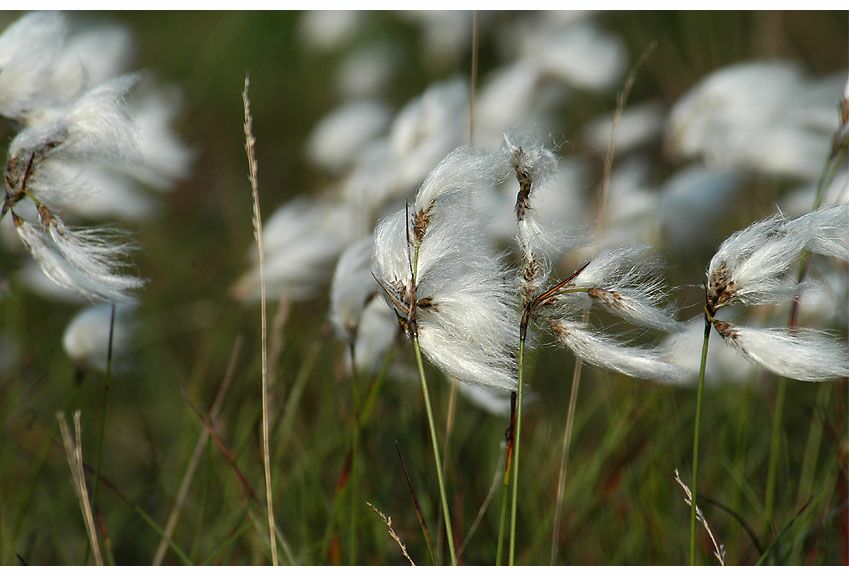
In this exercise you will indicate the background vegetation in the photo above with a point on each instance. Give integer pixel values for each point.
(621, 504)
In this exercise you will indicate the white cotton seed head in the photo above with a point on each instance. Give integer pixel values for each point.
(90, 56)
(466, 170)
(801, 354)
(763, 116)
(598, 350)
(427, 129)
(352, 287)
(96, 126)
(583, 56)
(750, 264)
(86, 338)
(625, 280)
(29, 49)
(87, 261)
(163, 158)
(339, 136)
(466, 312)
(826, 231)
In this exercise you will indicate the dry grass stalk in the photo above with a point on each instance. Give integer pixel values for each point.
(718, 548)
(392, 534)
(194, 461)
(74, 453)
(250, 152)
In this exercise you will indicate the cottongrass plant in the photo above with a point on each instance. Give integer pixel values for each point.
(447, 286)
(622, 280)
(752, 267)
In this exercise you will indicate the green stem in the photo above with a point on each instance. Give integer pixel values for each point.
(774, 448)
(696, 431)
(449, 531)
(514, 505)
(355, 450)
(502, 522)
(104, 413)
(564, 458)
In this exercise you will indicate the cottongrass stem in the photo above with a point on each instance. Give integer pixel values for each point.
(449, 530)
(515, 489)
(696, 431)
(250, 151)
(74, 453)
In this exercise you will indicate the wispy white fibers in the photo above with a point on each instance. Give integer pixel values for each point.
(801, 353)
(465, 313)
(751, 265)
(377, 332)
(302, 241)
(626, 281)
(86, 338)
(28, 50)
(598, 350)
(764, 116)
(339, 136)
(85, 261)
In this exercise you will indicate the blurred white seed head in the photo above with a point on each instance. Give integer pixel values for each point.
(29, 48)
(352, 287)
(339, 136)
(86, 338)
(762, 116)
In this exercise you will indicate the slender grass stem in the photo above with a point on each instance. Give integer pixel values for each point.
(774, 449)
(449, 530)
(355, 452)
(514, 505)
(250, 152)
(502, 522)
(101, 441)
(696, 431)
(505, 484)
(564, 457)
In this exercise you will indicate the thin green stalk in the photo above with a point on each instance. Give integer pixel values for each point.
(774, 448)
(812, 449)
(104, 412)
(355, 449)
(564, 457)
(514, 505)
(505, 485)
(502, 522)
(696, 431)
(449, 531)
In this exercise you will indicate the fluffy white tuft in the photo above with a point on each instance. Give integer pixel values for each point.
(352, 287)
(598, 350)
(801, 354)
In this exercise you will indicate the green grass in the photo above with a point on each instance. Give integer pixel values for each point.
(620, 504)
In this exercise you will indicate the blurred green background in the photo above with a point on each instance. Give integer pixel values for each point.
(621, 505)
